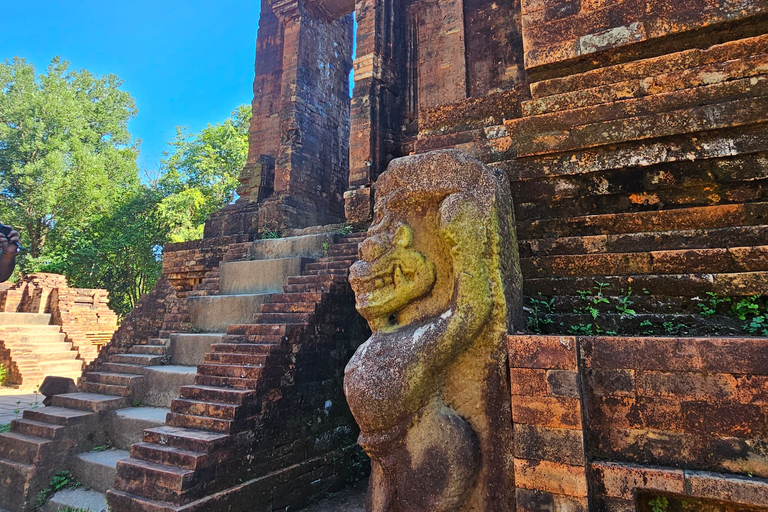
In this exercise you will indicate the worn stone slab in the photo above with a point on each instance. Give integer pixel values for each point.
(77, 499)
(257, 276)
(163, 383)
(96, 470)
(127, 425)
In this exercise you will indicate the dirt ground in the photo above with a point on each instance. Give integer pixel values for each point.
(351, 499)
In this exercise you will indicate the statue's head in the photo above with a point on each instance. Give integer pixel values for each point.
(390, 275)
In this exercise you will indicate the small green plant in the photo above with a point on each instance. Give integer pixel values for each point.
(709, 306)
(67, 508)
(326, 246)
(538, 313)
(648, 326)
(61, 480)
(624, 306)
(594, 298)
(674, 328)
(748, 309)
(137, 403)
(104, 447)
(659, 504)
(3, 375)
(345, 229)
(5, 428)
(268, 234)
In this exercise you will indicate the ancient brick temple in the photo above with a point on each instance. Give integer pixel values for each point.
(633, 138)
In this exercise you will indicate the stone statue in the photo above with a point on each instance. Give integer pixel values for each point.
(440, 285)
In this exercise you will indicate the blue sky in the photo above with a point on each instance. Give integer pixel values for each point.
(186, 63)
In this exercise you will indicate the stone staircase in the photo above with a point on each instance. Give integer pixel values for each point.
(135, 390)
(34, 349)
(231, 437)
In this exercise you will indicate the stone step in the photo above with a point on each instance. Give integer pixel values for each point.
(81, 500)
(208, 423)
(289, 307)
(162, 383)
(37, 429)
(186, 438)
(190, 349)
(43, 339)
(15, 476)
(329, 263)
(235, 358)
(231, 370)
(228, 382)
(317, 287)
(29, 329)
(170, 456)
(59, 355)
(283, 318)
(257, 329)
(218, 410)
(61, 366)
(294, 297)
(127, 426)
(305, 246)
(257, 276)
(331, 272)
(213, 313)
(23, 448)
(119, 379)
(24, 319)
(122, 368)
(215, 394)
(247, 348)
(93, 402)
(171, 483)
(136, 359)
(59, 415)
(152, 350)
(317, 280)
(265, 339)
(96, 469)
(106, 389)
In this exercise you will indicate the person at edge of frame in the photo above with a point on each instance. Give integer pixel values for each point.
(8, 250)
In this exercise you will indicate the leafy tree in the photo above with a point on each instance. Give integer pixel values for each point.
(66, 155)
(199, 174)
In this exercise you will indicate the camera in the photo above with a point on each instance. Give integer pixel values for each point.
(6, 230)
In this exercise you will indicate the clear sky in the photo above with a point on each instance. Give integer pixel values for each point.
(186, 63)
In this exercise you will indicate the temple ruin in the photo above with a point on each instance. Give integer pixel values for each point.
(629, 140)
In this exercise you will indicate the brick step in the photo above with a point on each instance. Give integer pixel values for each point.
(741, 284)
(656, 84)
(37, 429)
(343, 250)
(231, 370)
(106, 389)
(30, 329)
(119, 379)
(600, 126)
(289, 307)
(637, 242)
(93, 402)
(246, 348)
(59, 416)
(63, 365)
(282, 318)
(318, 280)
(11, 318)
(235, 358)
(258, 329)
(265, 339)
(170, 456)
(41, 337)
(638, 69)
(168, 483)
(61, 355)
(316, 287)
(186, 439)
(330, 272)
(219, 395)
(153, 350)
(122, 368)
(719, 261)
(227, 382)
(681, 219)
(294, 297)
(136, 359)
(210, 424)
(218, 410)
(22, 448)
(329, 263)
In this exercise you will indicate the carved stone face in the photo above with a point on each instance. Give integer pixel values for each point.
(390, 276)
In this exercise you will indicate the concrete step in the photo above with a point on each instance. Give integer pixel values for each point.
(81, 500)
(96, 470)
(258, 276)
(162, 383)
(213, 313)
(93, 402)
(127, 425)
(305, 246)
(190, 349)
(25, 319)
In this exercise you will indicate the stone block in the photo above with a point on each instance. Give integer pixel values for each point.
(547, 411)
(214, 313)
(620, 480)
(163, 383)
(257, 276)
(546, 352)
(190, 349)
(551, 477)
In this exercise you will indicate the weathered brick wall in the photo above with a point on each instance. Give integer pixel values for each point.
(605, 420)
